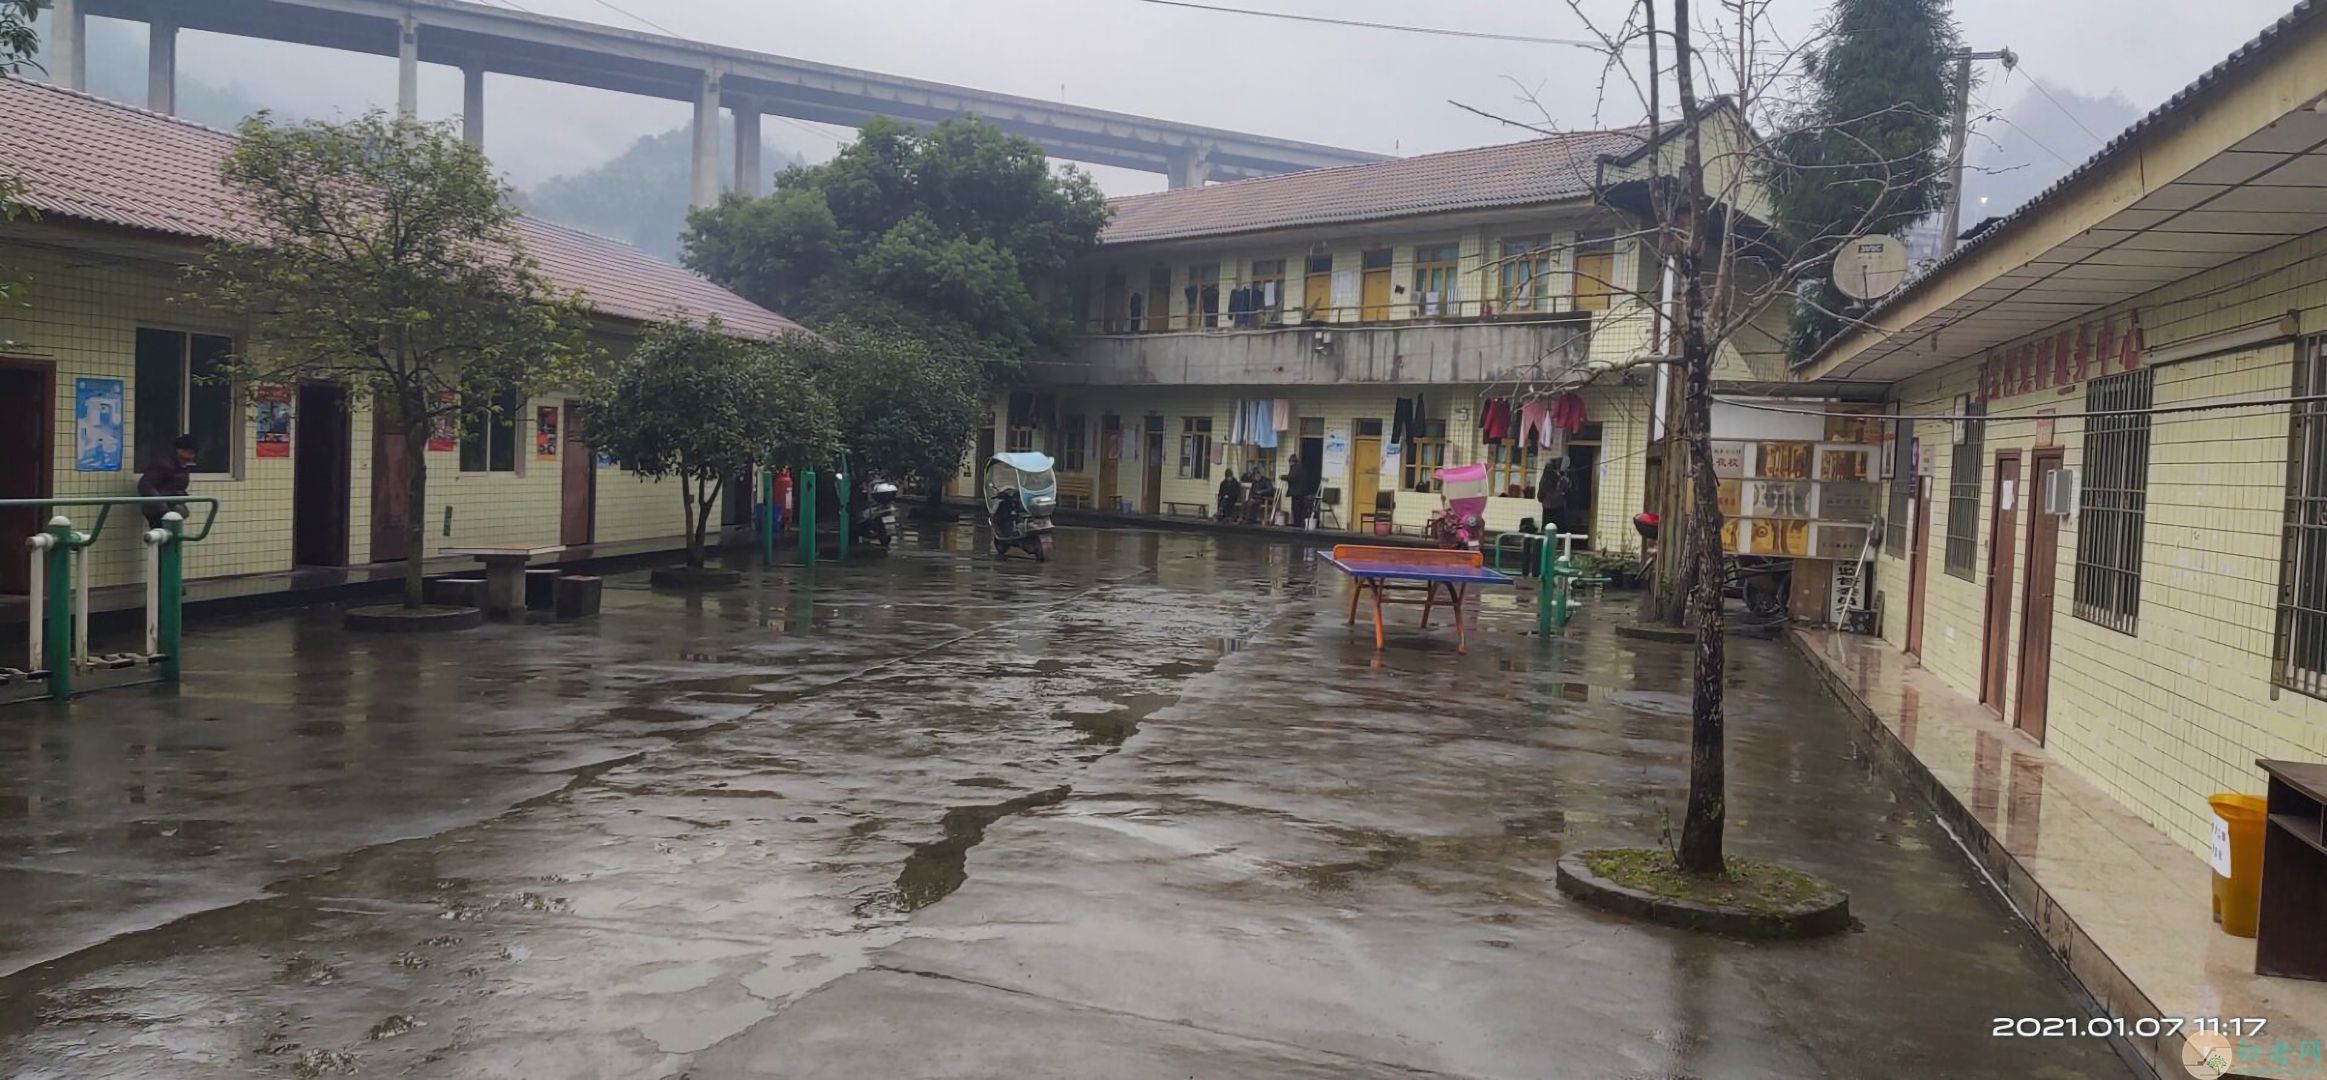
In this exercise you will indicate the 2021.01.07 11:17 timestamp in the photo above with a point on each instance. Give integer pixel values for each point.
(2146, 1027)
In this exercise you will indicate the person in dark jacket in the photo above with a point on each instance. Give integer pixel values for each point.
(170, 472)
(1231, 493)
(1552, 492)
(1301, 484)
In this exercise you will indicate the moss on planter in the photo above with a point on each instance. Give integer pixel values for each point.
(1749, 883)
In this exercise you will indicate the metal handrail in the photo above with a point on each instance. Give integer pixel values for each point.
(1404, 310)
(106, 505)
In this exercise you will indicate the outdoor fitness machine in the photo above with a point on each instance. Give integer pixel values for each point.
(60, 593)
(1556, 580)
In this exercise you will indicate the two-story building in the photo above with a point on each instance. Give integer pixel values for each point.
(1377, 321)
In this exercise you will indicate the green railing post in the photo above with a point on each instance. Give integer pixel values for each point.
(169, 602)
(767, 517)
(56, 622)
(807, 516)
(840, 487)
(1543, 587)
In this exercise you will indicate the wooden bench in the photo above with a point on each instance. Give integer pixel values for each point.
(1187, 509)
(1075, 491)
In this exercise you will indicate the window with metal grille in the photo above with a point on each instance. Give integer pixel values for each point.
(2112, 498)
(1195, 448)
(2300, 655)
(1425, 454)
(1902, 487)
(1963, 496)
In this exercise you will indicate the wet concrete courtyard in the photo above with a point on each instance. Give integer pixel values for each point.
(1150, 810)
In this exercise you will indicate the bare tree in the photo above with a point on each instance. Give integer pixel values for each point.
(1724, 267)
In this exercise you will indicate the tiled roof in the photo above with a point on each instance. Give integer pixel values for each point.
(1554, 169)
(89, 159)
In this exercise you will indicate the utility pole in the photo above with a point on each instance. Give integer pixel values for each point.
(1949, 217)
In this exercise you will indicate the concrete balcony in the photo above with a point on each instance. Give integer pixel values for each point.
(1489, 349)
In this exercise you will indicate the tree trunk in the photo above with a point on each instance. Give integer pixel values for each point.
(703, 504)
(416, 432)
(694, 524)
(1701, 826)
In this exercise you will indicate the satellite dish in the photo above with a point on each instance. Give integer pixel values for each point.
(1870, 267)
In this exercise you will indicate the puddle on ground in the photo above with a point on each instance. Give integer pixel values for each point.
(1116, 724)
(935, 869)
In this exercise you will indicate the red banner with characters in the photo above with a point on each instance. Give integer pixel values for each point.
(2086, 351)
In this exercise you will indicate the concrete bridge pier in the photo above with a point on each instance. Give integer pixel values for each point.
(69, 45)
(473, 105)
(408, 67)
(705, 189)
(1189, 168)
(161, 66)
(748, 179)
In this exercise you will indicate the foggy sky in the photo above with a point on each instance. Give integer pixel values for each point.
(1367, 89)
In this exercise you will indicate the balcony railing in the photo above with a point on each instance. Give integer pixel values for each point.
(1399, 311)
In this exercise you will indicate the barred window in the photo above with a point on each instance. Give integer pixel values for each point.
(1902, 487)
(1963, 496)
(2112, 500)
(2300, 655)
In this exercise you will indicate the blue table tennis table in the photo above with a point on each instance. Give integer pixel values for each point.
(1392, 575)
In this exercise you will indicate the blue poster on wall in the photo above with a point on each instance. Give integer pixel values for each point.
(97, 425)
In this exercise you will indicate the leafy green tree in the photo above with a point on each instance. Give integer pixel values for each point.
(17, 44)
(907, 412)
(382, 255)
(1865, 154)
(698, 405)
(959, 236)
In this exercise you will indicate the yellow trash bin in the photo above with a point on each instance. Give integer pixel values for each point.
(2237, 896)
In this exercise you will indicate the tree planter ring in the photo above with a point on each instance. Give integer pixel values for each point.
(1825, 910)
(398, 619)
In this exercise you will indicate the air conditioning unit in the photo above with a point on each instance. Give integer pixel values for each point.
(2060, 493)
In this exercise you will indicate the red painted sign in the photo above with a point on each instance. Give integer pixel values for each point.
(2088, 351)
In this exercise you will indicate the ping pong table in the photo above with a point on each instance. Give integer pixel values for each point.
(1393, 575)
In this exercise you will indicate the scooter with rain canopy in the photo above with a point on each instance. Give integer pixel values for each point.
(1020, 493)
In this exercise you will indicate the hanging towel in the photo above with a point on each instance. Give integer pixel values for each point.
(1399, 418)
(1282, 414)
(1495, 420)
(1569, 412)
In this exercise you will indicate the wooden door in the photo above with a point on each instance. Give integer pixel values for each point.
(1110, 449)
(1595, 270)
(1151, 493)
(2036, 614)
(1373, 294)
(1317, 288)
(2003, 537)
(27, 424)
(1918, 560)
(1365, 475)
(391, 477)
(577, 484)
(320, 479)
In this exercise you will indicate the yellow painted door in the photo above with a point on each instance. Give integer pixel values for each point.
(1595, 274)
(1317, 296)
(1373, 299)
(1110, 445)
(1365, 476)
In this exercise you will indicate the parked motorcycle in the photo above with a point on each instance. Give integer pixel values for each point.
(877, 522)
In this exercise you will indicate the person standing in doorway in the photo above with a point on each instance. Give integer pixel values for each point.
(1301, 484)
(170, 472)
(1552, 490)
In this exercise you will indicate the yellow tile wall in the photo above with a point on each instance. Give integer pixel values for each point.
(81, 317)
(1621, 411)
(2181, 708)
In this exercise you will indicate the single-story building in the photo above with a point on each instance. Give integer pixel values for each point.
(104, 361)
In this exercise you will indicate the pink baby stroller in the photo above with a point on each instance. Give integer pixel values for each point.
(1462, 523)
